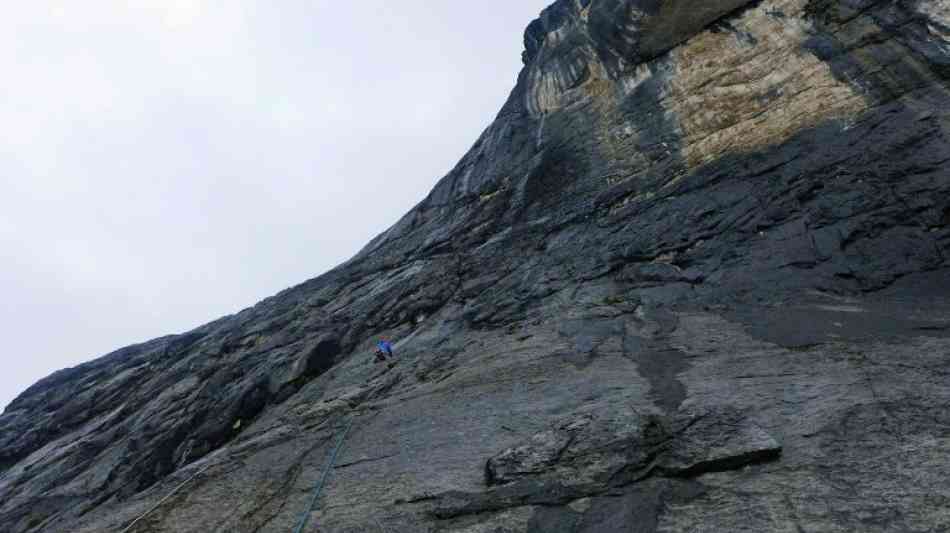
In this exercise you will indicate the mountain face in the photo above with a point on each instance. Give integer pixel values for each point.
(694, 277)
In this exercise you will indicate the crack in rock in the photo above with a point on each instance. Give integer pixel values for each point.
(592, 453)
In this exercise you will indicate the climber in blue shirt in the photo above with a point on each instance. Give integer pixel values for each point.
(383, 349)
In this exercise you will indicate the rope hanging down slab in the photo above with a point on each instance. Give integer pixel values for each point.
(323, 479)
(165, 499)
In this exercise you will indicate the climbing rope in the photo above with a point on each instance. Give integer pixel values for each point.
(165, 499)
(323, 479)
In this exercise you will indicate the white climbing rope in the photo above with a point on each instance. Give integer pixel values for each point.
(165, 499)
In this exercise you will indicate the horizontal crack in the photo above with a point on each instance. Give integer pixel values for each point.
(361, 461)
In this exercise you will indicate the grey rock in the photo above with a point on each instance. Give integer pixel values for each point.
(694, 276)
(716, 441)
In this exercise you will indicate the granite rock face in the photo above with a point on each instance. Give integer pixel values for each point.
(694, 277)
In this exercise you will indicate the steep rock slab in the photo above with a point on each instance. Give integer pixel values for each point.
(608, 447)
(679, 208)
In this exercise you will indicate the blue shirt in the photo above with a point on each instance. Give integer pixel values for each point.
(385, 346)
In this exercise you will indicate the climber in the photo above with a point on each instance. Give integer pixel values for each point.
(383, 349)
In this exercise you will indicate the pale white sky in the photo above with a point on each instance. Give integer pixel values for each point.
(167, 162)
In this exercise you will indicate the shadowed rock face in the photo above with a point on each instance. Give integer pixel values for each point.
(693, 277)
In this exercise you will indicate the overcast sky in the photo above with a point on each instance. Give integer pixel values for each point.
(167, 162)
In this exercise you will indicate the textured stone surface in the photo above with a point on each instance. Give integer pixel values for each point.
(694, 277)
